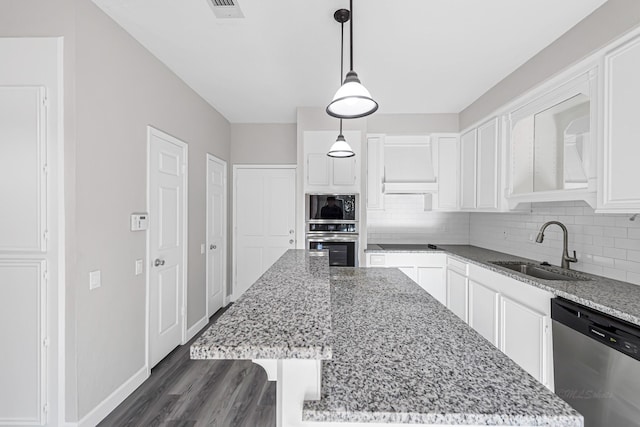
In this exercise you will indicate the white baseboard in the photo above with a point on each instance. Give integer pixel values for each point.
(192, 331)
(105, 407)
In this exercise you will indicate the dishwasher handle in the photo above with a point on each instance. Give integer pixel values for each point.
(615, 333)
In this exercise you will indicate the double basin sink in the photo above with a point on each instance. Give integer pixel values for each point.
(541, 271)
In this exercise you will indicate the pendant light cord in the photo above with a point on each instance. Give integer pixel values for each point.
(351, 32)
(341, 60)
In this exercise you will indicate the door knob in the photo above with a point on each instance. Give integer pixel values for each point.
(158, 262)
(212, 247)
(291, 241)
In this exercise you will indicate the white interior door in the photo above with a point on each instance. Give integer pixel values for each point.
(167, 243)
(216, 233)
(30, 226)
(264, 221)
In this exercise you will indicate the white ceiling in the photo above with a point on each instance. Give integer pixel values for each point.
(414, 56)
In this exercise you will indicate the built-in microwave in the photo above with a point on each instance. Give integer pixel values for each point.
(342, 207)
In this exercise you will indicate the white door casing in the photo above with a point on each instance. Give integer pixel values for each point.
(216, 244)
(31, 232)
(264, 202)
(167, 243)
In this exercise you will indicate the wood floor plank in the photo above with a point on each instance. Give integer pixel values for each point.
(187, 393)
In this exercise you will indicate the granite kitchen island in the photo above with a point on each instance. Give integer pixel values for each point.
(368, 346)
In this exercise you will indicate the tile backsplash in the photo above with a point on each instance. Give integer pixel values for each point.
(404, 220)
(606, 244)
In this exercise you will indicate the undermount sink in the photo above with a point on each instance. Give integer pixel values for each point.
(541, 272)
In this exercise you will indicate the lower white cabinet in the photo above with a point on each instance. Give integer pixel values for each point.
(523, 332)
(457, 288)
(514, 316)
(426, 269)
(484, 311)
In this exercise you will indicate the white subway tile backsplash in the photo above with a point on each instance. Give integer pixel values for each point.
(606, 244)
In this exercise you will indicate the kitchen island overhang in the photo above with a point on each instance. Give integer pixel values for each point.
(370, 347)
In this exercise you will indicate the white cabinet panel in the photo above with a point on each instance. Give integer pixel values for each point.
(448, 168)
(457, 294)
(523, 333)
(375, 164)
(432, 280)
(344, 171)
(427, 270)
(468, 170)
(22, 166)
(317, 169)
(620, 190)
(487, 174)
(327, 174)
(483, 311)
(22, 359)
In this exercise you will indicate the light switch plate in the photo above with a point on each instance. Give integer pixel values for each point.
(202, 248)
(95, 279)
(139, 267)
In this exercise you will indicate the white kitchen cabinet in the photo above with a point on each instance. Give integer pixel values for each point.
(457, 294)
(620, 191)
(448, 171)
(375, 165)
(516, 317)
(523, 336)
(488, 166)
(480, 167)
(468, 169)
(327, 174)
(426, 269)
(483, 310)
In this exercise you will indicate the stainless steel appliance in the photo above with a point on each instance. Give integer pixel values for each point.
(596, 364)
(332, 224)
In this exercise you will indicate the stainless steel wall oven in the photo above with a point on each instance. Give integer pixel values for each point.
(332, 224)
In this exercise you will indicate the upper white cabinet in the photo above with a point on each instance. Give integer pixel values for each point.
(448, 171)
(468, 169)
(480, 167)
(324, 173)
(551, 139)
(619, 191)
(375, 147)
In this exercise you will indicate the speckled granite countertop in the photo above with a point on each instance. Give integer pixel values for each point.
(613, 297)
(400, 356)
(286, 314)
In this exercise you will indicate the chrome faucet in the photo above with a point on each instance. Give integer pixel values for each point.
(566, 259)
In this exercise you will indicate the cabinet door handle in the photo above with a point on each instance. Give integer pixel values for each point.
(158, 262)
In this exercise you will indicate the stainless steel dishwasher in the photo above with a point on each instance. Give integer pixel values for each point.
(596, 364)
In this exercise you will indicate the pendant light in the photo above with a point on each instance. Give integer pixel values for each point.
(341, 147)
(352, 100)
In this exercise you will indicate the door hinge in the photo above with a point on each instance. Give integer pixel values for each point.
(45, 275)
(45, 408)
(45, 169)
(45, 234)
(45, 342)
(45, 101)
(183, 167)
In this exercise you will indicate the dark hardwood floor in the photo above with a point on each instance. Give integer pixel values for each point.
(184, 393)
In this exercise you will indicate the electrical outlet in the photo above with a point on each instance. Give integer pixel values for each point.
(95, 279)
(139, 267)
(202, 249)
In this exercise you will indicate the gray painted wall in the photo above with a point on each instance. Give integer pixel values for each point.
(263, 143)
(114, 88)
(607, 23)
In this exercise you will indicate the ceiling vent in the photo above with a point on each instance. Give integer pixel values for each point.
(225, 9)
